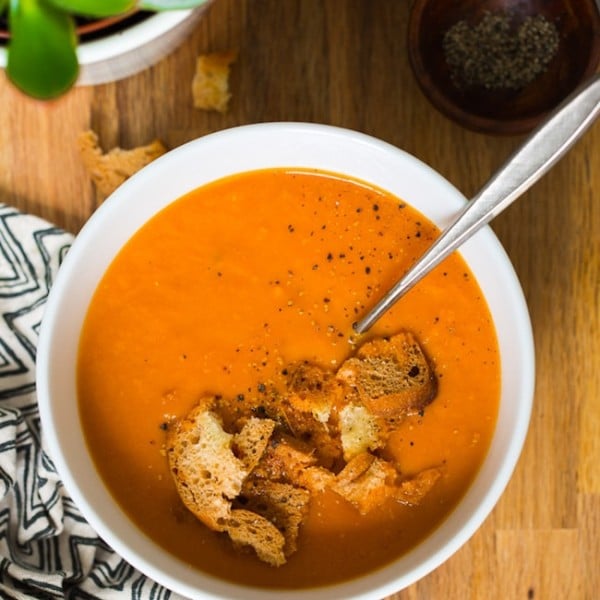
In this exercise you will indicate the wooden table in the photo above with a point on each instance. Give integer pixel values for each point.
(344, 62)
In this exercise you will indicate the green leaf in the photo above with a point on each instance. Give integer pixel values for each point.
(42, 59)
(94, 8)
(159, 5)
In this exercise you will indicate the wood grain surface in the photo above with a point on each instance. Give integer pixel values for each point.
(344, 62)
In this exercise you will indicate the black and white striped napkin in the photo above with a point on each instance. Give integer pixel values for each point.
(47, 549)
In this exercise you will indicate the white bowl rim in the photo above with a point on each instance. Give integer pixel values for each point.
(135, 36)
(274, 144)
(121, 42)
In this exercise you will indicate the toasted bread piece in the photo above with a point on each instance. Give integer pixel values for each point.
(247, 528)
(366, 482)
(311, 389)
(206, 472)
(283, 504)
(311, 395)
(391, 377)
(251, 442)
(289, 460)
(316, 479)
(109, 170)
(360, 430)
(210, 85)
(412, 491)
(284, 459)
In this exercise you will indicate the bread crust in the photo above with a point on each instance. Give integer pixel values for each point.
(210, 85)
(108, 170)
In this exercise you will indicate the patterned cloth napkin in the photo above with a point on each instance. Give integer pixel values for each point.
(47, 549)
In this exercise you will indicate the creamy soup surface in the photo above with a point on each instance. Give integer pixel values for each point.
(237, 278)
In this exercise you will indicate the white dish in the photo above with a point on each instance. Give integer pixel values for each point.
(128, 51)
(215, 156)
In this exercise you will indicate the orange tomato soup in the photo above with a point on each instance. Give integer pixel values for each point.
(257, 270)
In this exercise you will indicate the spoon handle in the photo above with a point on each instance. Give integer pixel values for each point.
(542, 149)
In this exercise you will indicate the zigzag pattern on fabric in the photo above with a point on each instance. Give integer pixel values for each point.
(47, 549)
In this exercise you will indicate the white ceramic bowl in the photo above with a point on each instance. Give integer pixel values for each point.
(204, 160)
(128, 51)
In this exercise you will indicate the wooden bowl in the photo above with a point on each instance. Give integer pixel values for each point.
(476, 96)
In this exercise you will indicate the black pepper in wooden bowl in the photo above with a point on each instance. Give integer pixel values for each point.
(494, 55)
(499, 66)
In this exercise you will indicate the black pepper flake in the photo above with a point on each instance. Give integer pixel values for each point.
(367, 270)
(291, 228)
(262, 388)
(164, 426)
(260, 412)
(329, 256)
(414, 371)
(240, 397)
(315, 267)
(375, 207)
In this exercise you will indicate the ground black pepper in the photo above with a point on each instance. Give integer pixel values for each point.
(496, 54)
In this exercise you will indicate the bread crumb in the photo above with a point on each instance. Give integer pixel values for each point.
(109, 170)
(210, 85)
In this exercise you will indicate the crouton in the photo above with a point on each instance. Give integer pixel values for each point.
(366, 482)
(412, 491)
(282, 504)
(310, 398)
(284, 459)
(109, 170)
(251, 442)
(210, 85)
(206, 472)
(391, 377)
(360, 431)
(248, 529)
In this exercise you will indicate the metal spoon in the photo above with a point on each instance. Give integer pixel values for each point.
(542, 149)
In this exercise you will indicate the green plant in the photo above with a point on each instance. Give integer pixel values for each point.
(42, 48)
